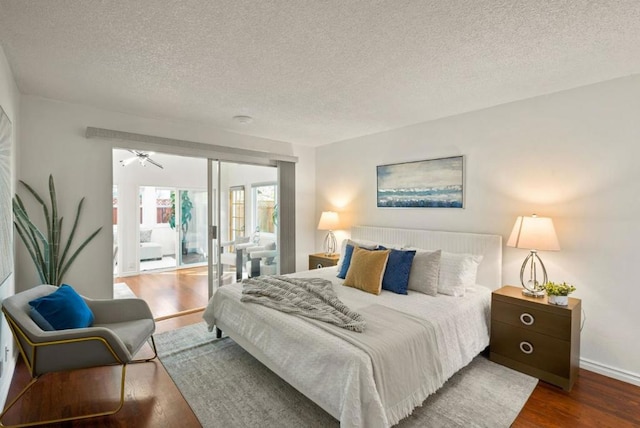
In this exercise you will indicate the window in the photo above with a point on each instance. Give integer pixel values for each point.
(236, 212)
(163, 205)
(155, 205)
(264, 207)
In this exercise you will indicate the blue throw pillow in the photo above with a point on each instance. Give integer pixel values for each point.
(63, 309)
(396, 275)
(348, 252)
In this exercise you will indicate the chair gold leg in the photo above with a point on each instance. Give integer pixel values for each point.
(15, 400)
(71, 418)
(146, 360)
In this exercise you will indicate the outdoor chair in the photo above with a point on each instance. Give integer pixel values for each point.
(263, 260)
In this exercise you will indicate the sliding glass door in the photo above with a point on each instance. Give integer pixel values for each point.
(192, 232)
(189, 216)
(242, 220)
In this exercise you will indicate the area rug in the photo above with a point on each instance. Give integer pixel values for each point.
(226, 387)
(122, 291)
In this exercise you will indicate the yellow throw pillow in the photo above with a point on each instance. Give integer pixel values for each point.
(367, 269)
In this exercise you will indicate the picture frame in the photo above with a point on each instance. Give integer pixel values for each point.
(431, 183)
(6, 212)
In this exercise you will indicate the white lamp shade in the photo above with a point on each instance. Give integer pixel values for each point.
(534, 233)
(328, 220)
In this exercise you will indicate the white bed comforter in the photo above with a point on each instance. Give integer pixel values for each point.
(334, 373)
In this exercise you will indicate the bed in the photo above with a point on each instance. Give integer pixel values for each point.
(339, 376)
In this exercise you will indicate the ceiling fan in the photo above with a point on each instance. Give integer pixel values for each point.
(142, 157)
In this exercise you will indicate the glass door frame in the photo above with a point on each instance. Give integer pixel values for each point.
(214, 265)
(217, 230)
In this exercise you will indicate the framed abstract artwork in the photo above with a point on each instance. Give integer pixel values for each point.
(6, 223)
(433, 183)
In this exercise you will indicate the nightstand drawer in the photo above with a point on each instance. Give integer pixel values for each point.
(533, 349)
(532, 319)
(320, 260)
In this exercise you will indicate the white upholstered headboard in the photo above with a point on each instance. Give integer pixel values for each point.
(489, 246)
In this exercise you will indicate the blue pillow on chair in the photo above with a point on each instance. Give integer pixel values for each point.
(63, 309)
(396, 275)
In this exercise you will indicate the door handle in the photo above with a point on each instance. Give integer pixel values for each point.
(213, 232)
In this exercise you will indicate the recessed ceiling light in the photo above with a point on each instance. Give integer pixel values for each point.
(243, 119)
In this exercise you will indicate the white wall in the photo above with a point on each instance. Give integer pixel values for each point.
(305, 205)
(572, 156)
(10, 102)
(53, 142)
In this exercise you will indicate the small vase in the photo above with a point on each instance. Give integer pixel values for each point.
(559, 300)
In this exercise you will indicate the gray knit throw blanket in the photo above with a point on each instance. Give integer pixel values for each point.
(305, 297)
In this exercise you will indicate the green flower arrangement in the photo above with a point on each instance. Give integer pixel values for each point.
(563, 289)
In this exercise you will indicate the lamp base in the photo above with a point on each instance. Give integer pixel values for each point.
(330, 243)
(530, 293)
(532, 288)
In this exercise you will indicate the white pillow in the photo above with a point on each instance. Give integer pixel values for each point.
(457, 272)
(423, 276)
(369, 245)
(145, 235)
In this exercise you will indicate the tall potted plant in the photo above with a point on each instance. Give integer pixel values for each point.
(186, 206)
(44, 248)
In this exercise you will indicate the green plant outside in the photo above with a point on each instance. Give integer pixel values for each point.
(186, 206)
(274, 215)
(44, 249)
(563, 289)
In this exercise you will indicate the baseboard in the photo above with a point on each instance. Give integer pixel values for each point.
(611, 372)
(125, 274)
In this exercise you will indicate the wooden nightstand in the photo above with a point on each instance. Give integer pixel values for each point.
(535, 337)
(320, 260)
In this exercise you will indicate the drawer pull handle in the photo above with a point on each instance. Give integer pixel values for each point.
(526, 347)
(527, 319)
(319, 266)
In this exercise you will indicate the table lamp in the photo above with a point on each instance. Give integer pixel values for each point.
(329, 221)
(533, 233)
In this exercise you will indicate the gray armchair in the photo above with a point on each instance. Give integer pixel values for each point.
(121, 327)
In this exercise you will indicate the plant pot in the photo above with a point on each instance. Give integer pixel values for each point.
(559, 300)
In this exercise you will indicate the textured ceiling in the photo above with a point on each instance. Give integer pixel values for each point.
(314, 72)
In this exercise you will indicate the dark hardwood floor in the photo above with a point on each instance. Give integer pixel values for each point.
(152, 400)
(171, 292)
(594, 401)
